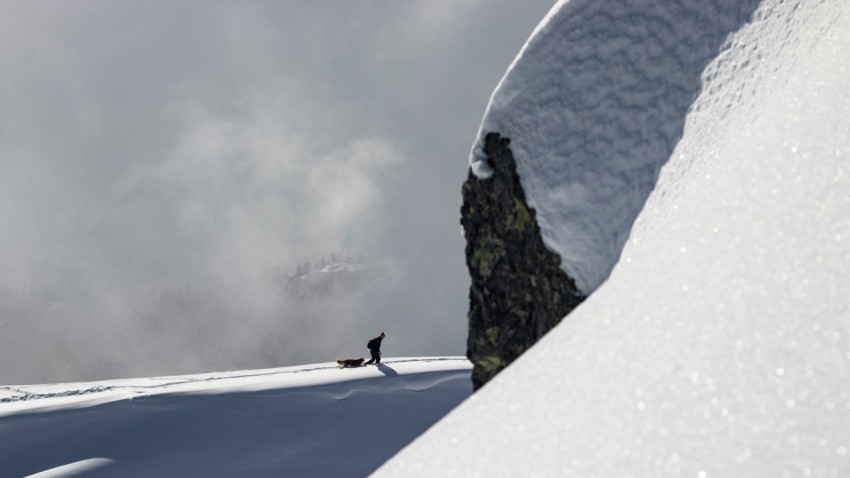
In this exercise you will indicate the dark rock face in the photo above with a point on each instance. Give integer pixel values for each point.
(519, 291)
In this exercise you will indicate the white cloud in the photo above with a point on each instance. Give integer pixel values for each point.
(158, 145)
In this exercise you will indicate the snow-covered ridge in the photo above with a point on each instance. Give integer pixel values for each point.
(28, 398)
(312, 420)
(593, 106)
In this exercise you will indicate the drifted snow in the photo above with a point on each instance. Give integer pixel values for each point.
(719, 345)
(317, 420)
(594, 105)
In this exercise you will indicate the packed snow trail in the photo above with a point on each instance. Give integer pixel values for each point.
(297, 421)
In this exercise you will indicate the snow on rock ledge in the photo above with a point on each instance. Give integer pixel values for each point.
(593, 106)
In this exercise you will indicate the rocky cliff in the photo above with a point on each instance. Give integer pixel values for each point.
(518, 291)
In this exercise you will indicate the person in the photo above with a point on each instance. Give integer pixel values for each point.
(375, 349)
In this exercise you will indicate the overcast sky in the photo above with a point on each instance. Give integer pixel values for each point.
(199, 142)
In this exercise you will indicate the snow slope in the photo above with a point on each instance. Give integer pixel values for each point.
(719, 344)
(316, 420)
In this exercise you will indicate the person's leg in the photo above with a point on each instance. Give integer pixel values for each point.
(374, 357)
(377, 358)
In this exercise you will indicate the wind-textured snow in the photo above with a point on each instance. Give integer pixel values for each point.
(593, 106)
(719, 345)
(303, 421)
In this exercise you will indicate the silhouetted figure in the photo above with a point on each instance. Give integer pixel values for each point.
(375, 349)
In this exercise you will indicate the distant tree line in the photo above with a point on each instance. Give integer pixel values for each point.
(313, 280)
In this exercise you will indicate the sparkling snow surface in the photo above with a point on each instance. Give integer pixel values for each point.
(593, 106)
(720, 345)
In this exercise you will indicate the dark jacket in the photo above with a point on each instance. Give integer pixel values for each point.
(375, 344)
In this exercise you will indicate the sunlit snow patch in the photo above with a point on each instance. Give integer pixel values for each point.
(719, 345)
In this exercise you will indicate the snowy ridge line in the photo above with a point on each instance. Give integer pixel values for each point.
(25, 395)
(279, 424)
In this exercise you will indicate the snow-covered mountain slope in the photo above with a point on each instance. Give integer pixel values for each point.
(593, 106)
(316, 420)
(719, 344)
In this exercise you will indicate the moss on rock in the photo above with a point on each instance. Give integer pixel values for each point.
(520, 217)
(518, 291)
(487, 253)
(489, 365)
